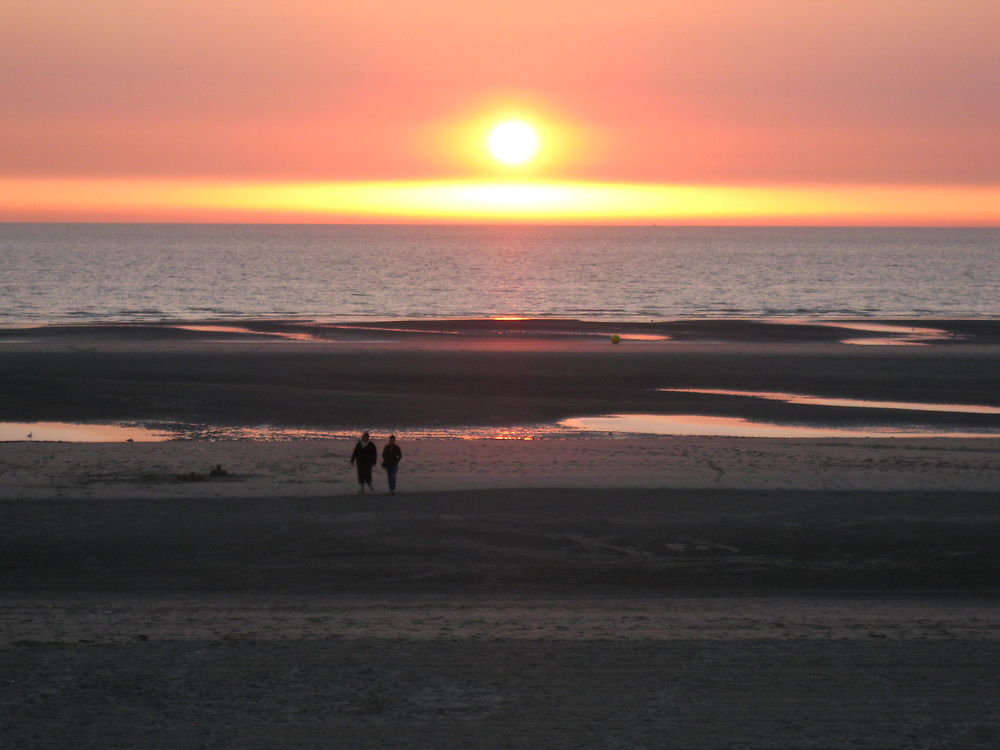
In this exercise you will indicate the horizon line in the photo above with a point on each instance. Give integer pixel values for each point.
(515, 224)
(485, 202)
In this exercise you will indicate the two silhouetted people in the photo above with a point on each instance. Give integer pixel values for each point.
(366, 454)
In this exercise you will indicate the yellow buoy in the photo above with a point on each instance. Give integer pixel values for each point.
(615, 338)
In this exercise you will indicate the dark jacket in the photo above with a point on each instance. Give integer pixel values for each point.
(365, 455)
(391, 455)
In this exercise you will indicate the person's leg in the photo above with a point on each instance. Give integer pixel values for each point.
(390, 472)
(361, 479)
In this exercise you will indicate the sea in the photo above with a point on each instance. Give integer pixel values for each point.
(99, 273)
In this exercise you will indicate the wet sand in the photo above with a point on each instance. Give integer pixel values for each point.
(502, 618)
(380, 693)
(559, 618)
(590, 593)
(551, 542)
(487, 373)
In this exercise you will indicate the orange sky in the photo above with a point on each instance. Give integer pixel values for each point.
(890, 105)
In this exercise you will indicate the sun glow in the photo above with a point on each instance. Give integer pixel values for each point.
(513, 142)
(491, 201)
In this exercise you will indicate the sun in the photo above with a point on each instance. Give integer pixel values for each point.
(513, 142)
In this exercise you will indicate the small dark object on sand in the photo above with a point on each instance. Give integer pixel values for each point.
(194, 476)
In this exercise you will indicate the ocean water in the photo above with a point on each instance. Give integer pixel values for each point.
(82, 273)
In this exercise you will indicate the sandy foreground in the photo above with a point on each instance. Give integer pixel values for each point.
(660, 592)
(668, 592)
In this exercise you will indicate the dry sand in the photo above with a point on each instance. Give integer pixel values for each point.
(592, 593)
(310, 468)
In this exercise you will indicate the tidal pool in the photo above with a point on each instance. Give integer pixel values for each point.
(79, 433)
(706, 426)
(797, 398)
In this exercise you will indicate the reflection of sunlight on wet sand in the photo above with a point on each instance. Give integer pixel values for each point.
(100, 433)
(390, 329)
(241, 329)
(78, 433)
(900, 335)
(883, 342)
(609, 425)
(886, 328)
(539, 331)
(475, 333)
(266, 432)
(905, 335)
(636, 336)
(703, 426)
(794, 398)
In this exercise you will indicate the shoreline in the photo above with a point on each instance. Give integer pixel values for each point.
(777, 329)
(492, 374)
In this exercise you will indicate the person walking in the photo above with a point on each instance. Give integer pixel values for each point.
(391, 456)
(364, 457)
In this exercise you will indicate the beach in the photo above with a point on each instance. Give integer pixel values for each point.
(691, 349)
(606, 591)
